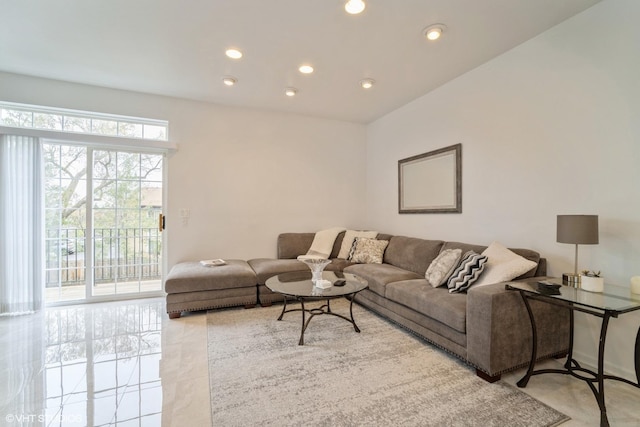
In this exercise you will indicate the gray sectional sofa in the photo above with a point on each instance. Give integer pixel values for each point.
(487, 327)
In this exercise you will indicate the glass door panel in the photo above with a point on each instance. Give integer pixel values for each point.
(127, 193)
(65, 221)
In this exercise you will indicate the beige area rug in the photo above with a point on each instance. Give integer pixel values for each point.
(383, 376)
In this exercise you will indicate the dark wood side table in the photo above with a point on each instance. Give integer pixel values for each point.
(613, 302)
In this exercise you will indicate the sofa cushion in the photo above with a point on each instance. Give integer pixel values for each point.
(367, 251)
(464, 247)
(291, 245)
(426, 327)
(267, 267)
(192, 276)
(436, 303)
(442, 267)
(503, 265)
(384, 236)
(349, 238)
(470, 268)
(337, 245)
(378, 275)
(338, 264)
(410, 253)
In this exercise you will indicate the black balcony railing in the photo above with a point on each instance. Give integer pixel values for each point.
(122, 254)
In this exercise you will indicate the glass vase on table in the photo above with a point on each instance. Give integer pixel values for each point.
(316, 265)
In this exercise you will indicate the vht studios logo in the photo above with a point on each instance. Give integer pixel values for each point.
(21, 419)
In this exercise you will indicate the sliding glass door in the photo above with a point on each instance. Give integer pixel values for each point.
(102, 234)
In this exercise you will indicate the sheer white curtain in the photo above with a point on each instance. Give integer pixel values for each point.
(21, 224)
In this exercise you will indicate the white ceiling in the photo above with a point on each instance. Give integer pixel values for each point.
(176, 48)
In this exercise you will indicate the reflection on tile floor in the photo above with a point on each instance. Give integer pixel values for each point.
(127, 364)
(92, 365)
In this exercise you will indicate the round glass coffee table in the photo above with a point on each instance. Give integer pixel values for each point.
(298, 285)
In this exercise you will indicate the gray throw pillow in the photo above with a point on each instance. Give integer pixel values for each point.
(442, 267)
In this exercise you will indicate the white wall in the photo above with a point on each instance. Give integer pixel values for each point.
(551, 127)
(245, 175)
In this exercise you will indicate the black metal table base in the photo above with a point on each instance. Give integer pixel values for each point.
(594, 379)
(323, 309)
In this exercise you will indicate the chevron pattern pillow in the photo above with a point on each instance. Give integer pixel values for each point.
(470, 268)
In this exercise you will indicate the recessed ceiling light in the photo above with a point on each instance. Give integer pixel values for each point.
(306, 69)
(233, 53)
(433, 32)
(290, 91)
(367, 83)
(229, 81)
(354, 6)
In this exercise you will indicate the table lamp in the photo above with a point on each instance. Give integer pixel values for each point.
(578, 230)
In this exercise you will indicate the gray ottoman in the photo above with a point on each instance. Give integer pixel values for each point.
(192, 287)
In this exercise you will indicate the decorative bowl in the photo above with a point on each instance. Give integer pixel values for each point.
(316, 265)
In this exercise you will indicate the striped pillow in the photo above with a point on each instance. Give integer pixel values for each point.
(470, 268)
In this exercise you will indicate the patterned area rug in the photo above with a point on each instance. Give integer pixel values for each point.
(383, 376)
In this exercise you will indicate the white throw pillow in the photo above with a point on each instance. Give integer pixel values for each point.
(323, 241)
(442, 267)
(502, 265)
(349, 237)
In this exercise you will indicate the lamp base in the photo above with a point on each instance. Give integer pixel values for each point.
(571, 279)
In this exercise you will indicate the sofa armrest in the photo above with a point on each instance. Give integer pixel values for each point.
(499, 330)
(542, 268)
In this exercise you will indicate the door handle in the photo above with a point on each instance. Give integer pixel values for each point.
(161, 225)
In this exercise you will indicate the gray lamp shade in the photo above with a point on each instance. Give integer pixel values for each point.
(577, 229)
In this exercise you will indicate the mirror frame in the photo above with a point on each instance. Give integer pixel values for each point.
(421, 164)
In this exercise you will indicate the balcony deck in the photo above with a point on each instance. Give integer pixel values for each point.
(77, 292)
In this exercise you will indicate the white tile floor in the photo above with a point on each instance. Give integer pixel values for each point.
(127, 364)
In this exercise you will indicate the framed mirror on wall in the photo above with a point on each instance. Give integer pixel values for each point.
(431, 182)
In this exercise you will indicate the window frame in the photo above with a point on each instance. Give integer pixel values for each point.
(66, 115)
